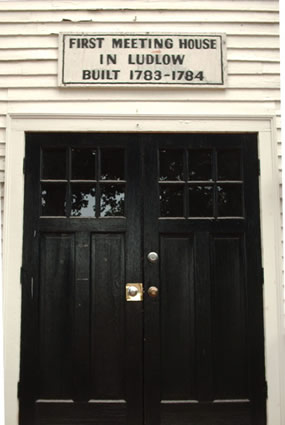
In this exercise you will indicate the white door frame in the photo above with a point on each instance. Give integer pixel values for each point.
(264, 125)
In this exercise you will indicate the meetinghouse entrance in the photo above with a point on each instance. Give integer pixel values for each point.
(142, 280)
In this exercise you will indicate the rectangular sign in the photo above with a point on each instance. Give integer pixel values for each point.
(181, 60)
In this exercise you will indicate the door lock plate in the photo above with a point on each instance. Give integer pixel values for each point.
(134, 291)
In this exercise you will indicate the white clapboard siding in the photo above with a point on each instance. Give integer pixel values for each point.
(126, 23)
(210, 5)
(3, 98)
(191, 15)
(24, 54)
(49, 41)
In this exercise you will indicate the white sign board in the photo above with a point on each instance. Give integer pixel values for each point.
(181, 60)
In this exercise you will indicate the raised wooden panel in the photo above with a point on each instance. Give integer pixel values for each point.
(107, 316)
(56, 306)
(229, 318)
(206, 414)
(80, 413)
(177, 318)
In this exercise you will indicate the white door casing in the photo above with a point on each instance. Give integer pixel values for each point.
(264, 125)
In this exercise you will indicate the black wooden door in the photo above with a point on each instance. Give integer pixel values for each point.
(95, 206)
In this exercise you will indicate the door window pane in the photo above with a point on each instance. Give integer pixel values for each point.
(83, 164)
(112, 202)
(201, 201)
(229, 166)
(230, 200)
(171, 201)
(54, 164)
(53, 197)
(112, 164)
(200, 165)
(171, 165)
(83, 200)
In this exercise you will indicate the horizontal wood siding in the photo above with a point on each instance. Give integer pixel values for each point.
(29, 51)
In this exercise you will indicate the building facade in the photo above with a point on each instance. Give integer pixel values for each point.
(140, 154)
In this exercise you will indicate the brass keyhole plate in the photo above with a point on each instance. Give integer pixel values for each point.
(138, 296)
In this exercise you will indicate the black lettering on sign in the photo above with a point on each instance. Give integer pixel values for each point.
(100, 74)
(86, 43)
(117, 43)
(197, 43)
(155, 59)
(142, 43)
(108, 59)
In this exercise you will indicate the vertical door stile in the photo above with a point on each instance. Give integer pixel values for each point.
(204, 377)
(134, 274)
(81, 318)
(151, 278)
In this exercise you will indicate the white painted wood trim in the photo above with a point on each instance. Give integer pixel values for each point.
(264, 125)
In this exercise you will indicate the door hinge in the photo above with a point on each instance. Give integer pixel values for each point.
(262, 275)
(259, 170)
(24, 166)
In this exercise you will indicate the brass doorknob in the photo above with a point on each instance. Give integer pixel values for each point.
(152, 291)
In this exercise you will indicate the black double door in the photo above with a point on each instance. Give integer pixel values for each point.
(191, 351)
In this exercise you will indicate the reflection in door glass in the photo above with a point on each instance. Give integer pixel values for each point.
(53, 199)
(83, 200)
(200, 165)
(112, 201)
(201, 201)
(112, 164)
(230, 200)
(171, 200)
(229, 165)
(83, 164)
(54, 164)
(171, 165)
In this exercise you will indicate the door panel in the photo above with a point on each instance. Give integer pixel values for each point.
(107, 316)
(95, 206)
(206, 414)
(177, 318)
(56, 304)
(229, 320)
(70, 413)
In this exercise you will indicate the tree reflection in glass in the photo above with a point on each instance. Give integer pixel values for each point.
(171, 165)
(171, 201)
(53, 199)
(230, 200)
(83, 200)
(112, 200)
(200, 201)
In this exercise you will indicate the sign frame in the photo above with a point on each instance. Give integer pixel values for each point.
(182, 79)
